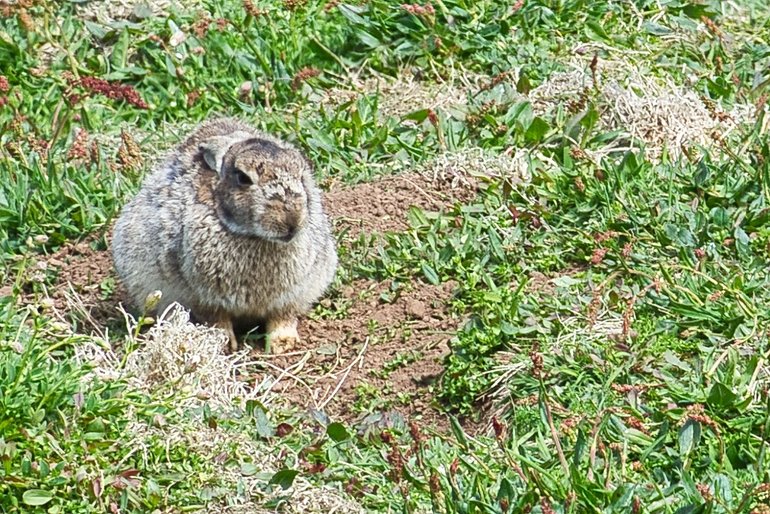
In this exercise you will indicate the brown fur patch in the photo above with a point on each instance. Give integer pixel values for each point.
(204, 186)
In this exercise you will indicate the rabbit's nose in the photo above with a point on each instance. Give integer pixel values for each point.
(291, 219)
(291, 223)
(289, 235)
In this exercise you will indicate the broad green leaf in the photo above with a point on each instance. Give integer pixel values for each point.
(262, 423)
(698, 11)
(353, 13)
(458, 431)
(284, 478)
(537, 130)
(742, 242)
(722, 488)
(430, 274)
(689, 435)
(595, 31)
(702, 175)
(367, 39)
(98, 31)
(496, 244)
(671, 358)
(249, 469)
(721, 397)
(170, 66)
(523, 86)
(656, 29)
(417, 116)
(565, 281)
(36, 497)
(120, 51)
(720, 217)
(337, 432)
(506, 491)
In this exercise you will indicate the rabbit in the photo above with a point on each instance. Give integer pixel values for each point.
(230, 226)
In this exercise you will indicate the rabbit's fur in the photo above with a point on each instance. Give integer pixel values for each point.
(230, 226)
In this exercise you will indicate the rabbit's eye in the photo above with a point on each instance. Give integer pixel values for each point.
(242, 179)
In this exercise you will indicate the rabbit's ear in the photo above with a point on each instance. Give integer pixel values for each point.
(215, 148)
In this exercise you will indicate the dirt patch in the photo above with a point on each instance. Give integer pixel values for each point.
(538, 283)
(382, 206)
(385, 354)
(85, 286)
(373, 207)
(374, 347)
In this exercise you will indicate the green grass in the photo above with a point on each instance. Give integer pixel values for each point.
(65, 442)
(635, 378)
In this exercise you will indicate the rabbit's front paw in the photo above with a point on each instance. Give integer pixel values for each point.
(226, 324)
(282, 336)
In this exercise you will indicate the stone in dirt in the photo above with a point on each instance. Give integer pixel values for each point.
(415, 309)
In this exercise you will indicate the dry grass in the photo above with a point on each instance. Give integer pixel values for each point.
(463, 167)
(107, 11)
(406, 93)
(657, 113)
(180, 359)
(175, 356)
(220, 446)
(661, 115)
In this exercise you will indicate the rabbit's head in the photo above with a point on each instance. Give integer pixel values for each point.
(260, 191)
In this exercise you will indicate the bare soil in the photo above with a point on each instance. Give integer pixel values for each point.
(386, 353)
(86, 288)
(374, 347)
(382, 206)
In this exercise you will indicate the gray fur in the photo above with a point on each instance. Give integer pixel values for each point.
(224, 248)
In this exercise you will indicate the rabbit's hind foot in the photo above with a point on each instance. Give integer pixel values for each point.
(282, 336)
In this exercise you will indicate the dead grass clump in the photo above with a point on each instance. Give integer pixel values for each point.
(180, 360)
(463, 168)
(667, 116)
(405, 93)
(106, 11)
(560, 87)
(220, 447)
(303, 497)
(175, 356)
(189, 357)
(657, 113)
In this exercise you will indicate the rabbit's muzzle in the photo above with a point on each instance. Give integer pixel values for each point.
(292, 226)
(285, 221)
